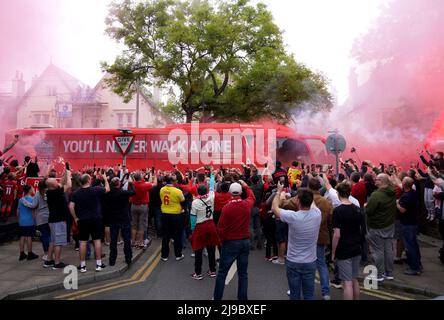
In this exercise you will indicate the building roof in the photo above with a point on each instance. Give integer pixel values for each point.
(147, 99)
(73, 85)
(70, 82)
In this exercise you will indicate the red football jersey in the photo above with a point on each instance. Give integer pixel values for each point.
(20, 184)
(8, 190)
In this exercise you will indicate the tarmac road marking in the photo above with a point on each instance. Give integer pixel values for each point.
(391, 295)
(377, 293)
(118, 286)
(231, 273)
(133, 278)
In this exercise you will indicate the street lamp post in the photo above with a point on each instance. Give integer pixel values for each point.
(137, 104)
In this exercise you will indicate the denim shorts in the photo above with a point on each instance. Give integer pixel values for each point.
(59, 232)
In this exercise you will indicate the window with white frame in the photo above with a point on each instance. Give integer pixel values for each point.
(129, 117)
(41, 118)
(120, 120)
(37, 117)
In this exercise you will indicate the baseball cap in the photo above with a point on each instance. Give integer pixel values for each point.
(235, 189)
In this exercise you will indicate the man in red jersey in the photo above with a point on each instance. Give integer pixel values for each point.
(139, 209)
(9, 195)
(234, 234)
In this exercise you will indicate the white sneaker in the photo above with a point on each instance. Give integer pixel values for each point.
(45, 257)
(388, 277)
(326, 297)
(288, 292)
(375, 278)
(205, 252)
(277, 261)
(180, 258)
(193, 255)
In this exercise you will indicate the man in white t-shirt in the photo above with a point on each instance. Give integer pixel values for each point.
(332, 195)
(303, 232)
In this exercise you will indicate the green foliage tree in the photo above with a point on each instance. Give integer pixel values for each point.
(226, 59)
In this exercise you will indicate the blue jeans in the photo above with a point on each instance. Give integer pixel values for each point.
(45, 236)
(301, 277)
(125, 229)
(411, 246)
(233, 250)
(322, 267)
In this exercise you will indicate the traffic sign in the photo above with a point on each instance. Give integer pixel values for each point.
(65, 110)
(335, 144)
(124, 143)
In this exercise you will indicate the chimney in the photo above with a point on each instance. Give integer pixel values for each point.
(18, 85)
(34, 79)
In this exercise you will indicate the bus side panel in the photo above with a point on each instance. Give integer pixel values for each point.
(76, 147)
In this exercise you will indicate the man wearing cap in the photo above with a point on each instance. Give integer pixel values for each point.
(234, 234)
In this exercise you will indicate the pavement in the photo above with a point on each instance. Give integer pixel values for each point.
(431, 281)
(20, 279)
(151, 278)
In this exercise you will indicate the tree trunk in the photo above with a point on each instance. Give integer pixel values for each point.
(189, 116)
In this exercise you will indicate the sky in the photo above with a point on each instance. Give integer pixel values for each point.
(70, 33)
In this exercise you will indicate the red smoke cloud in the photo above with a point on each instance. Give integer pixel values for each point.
(28, 39)
(27, 36)
(396, 94)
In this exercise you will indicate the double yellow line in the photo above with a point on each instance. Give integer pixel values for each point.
(383, 294)
(140, 276)
(377, 293)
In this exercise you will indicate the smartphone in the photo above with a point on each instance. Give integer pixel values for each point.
(102, 171)
(67, 166)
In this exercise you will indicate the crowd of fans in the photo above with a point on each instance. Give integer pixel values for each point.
(306, 217)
